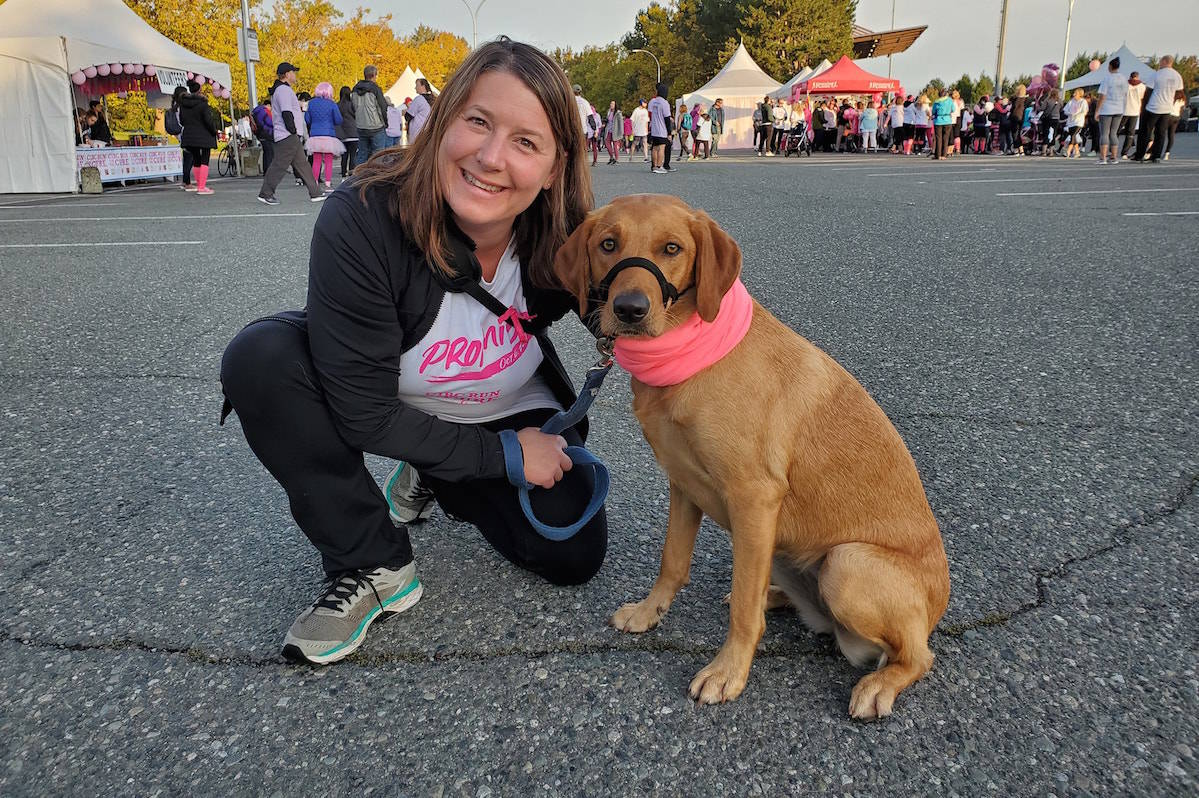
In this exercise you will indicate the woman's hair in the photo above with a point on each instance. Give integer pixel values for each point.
(323, 90)
(1078, 93)
(193, 87)
(1053, 94)
(1021, 90)
(412, 182)
(344, 94)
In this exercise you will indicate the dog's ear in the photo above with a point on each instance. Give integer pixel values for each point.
(717, 264)
(572, 263)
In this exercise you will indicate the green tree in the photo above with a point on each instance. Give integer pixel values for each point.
(604, 75)
(785, 35)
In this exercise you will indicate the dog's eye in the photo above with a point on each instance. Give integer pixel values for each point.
(672, 248)
(608, 245)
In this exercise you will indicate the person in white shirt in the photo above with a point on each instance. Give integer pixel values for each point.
(1132, 113)
(703, 135)
(1167, 86)
(778, 123)
(640, 119)
(1076, 120)
(896, 120)
(1113, 96)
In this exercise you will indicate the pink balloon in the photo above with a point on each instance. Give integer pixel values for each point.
(90, 72)
(127, 69)
(1094, 64)
(139, 69)
(151, 70)
(78, 78)
(190, 75)
(116, 69)
(103, 69)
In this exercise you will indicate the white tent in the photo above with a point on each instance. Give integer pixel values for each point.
(405, 86)
(1129, 63)
(41, 43)
(784, 92)
(741, 84)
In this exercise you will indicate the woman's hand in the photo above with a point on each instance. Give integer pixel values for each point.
(544, 459)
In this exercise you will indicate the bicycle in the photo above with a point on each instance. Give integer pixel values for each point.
(226, 164)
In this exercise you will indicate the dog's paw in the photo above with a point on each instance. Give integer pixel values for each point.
(718, 682)
(638, 617)
(872, 697)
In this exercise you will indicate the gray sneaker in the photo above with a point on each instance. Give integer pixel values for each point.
(335, 625)
(408, 501)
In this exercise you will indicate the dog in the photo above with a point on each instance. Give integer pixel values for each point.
(776, 443)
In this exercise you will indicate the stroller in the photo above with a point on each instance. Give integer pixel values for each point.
(797, 142)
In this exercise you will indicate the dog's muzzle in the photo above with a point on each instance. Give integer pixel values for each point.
(670, 294)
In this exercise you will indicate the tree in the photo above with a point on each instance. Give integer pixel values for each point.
(603, 75)
(785, 35)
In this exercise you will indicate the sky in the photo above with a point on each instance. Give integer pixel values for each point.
(962, 35)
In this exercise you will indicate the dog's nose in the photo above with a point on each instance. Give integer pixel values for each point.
(631, 307)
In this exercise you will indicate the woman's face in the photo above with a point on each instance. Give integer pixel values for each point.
(496, 156)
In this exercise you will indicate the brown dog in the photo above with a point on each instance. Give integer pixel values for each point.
(779, 445)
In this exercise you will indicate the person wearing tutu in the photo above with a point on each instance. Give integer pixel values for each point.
(322, 119)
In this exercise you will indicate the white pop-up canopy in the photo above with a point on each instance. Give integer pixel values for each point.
(741, 84)
(784, 92)
(405, 86)
(42, 43)
(1129, 63)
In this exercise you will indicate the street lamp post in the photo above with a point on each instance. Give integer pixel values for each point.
(474, 22)
(890, 56)
(1061, 78)
(651, 55)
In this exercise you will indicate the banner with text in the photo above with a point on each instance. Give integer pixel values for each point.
(131, 163)
(168, 79)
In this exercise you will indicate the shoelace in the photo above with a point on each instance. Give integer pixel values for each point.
(342, 589)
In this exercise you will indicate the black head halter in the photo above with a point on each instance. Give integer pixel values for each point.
(670, 294)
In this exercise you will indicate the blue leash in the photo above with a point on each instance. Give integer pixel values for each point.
(580, 456)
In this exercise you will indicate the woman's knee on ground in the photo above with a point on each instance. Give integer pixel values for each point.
(576, 560)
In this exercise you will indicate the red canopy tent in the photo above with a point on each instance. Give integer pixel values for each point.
(844, 77)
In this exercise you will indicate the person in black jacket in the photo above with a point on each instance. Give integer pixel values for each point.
(199, 133)
(347, 131)
(394, 357)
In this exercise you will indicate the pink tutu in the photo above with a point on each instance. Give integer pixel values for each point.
(327, 144)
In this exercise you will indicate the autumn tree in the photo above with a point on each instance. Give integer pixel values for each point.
(783, 36)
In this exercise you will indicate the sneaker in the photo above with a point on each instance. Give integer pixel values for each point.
(190, 187)
(659, 171)
(408, 501)
(320, 198)
(204, 190)
(671, 169)
(1166, 157)
(268, 200)
(335, 625)
(328, 184)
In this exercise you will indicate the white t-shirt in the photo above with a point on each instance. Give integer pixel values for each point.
(584, 112)
(705, 130)
(1132, 103)
(640, 119)
(909, 114)
(1114, 88)
(1076, 113)
(920, 114)
(1165, 83)
(471, 367)
(896, 115)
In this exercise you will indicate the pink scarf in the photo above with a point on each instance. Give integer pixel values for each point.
(680, 353)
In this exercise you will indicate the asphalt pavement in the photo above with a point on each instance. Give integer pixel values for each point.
(1029, 325)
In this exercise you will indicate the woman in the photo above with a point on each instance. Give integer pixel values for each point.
(347, 131)
(481, 200)
(173, 125)
(199, 133)
(613, 130)
(868, 123)
(1050, 125)
(682, 121)
(322, 118)
(628, 137)
(1016, 119)
(1076, 120)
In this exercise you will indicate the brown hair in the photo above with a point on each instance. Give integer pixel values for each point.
(416, 198)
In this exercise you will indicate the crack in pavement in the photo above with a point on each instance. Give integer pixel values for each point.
(1123, 537)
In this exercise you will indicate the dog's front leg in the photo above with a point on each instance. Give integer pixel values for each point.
(675, 572)
(753, 530)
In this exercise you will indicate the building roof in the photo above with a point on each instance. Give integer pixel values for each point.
(868, 44)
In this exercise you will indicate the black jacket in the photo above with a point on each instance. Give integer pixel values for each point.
(361, 260)
(348, 129)
(199, 130)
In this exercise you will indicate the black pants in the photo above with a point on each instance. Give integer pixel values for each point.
(199, 155)
(187, 166)
(268, 152)
(943, 135)
(268, 377)
(347, 157)
(1155, 127)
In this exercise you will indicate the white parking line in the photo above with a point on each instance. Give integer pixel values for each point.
(1163, 213)
(153, 218)
(1097, 191)
(61, 205)
(1110, 176)
(100, 244)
